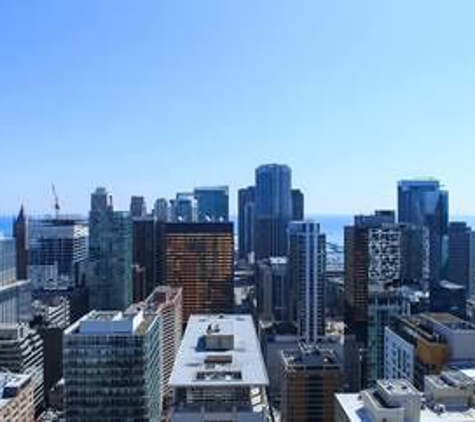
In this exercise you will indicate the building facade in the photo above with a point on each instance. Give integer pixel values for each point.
(212, 204)
(16, 398)
(199, 258)
(307, 269)
(110, 255)
(112, 367)
(246, 221)
(273, 210)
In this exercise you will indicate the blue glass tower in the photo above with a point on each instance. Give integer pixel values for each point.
(273, 209)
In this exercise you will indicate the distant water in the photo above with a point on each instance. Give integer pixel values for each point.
(6, 226)
(333, 226)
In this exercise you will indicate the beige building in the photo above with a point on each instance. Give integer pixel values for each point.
(16, 398)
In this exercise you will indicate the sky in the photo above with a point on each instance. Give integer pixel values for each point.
(151, 97)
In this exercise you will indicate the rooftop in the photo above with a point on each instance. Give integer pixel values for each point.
(219, 350)
(110, 323)
(10, 384)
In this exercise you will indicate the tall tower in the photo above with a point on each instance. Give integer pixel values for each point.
(307, 267)
(423, 203)
(246, 216)
(20, 232)
(212, 204)
(110, 254)
(273, 210)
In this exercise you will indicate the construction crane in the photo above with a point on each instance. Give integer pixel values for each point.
(56, 201)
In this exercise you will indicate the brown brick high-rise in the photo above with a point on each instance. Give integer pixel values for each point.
(199, 259)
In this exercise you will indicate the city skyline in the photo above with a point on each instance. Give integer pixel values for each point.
(143, 99)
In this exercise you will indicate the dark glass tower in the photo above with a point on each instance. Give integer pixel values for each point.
(246, 214)
(273, 210)
(298, 205)
(20, 232)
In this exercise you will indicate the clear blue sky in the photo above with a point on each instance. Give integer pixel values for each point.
(154, 96)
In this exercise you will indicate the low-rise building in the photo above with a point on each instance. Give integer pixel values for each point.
(16, 398)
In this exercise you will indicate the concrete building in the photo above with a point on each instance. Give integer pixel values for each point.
(112, 367)
(420, 345)
(161, 210)
(199, 258)
(445, 400)
(166, 303)
(16, 398)
(307, 268)
(21, 351)
(219, 373)
(311, 375)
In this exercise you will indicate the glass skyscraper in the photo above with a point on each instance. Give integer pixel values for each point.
(213, 204)
(110, 253)
(423, 203)
(273, 210)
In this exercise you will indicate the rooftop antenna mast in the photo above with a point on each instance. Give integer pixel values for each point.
(56, 201)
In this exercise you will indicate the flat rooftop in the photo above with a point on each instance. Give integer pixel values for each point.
(356, 412)
(111, 323)
(10, 384)
(219, 351)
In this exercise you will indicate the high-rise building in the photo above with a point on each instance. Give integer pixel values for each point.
(212, 204)
(15, 295)
(161, 210)
(112, 367)
(166, 303)
(307, 268)
(246, 217)
(20, 233)
(273, 300)
(424, 344)
(461, 265)
(423, 203)
(58, 250)
(298, 205)
(21, 351)
(311, 376)
(199, 259)
(138, 207)
(145, 259)
(273, 210)
(110, 255)
(183, 208)
(16, 397)
(367, 304)
(219, 372)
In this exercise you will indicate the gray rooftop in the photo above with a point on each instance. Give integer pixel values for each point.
(219, 350)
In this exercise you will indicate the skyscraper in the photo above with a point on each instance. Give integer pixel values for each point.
(298, 205)
(212, 204)
(112, 367)
(246, 217)
(199, 259)
(110, 255)
(183, 208)
(307, 267)
(20, 232)
(15, 295)
(461, 265)
(273, 210)
(138, 207)
(423, 203)
(161, 210)
(58, 250)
